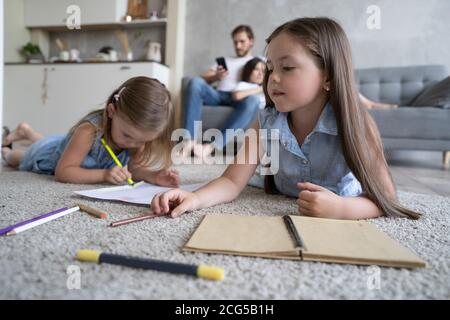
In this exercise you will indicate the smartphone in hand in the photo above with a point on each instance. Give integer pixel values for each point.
(221, 62)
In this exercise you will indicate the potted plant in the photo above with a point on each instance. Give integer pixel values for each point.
(32, 53)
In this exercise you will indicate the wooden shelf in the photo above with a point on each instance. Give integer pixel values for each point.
(143, 23)
(105, 26)
(121, 62)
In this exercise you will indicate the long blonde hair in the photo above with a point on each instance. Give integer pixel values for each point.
(361, 142)
(145, 103)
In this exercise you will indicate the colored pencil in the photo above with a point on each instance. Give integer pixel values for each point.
(202, 271)
(139, 218)
(92, 211)
(9, 228)
(116, 160)
(41, 221)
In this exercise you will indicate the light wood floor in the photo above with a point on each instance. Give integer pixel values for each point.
(414, 171)
(420, 172)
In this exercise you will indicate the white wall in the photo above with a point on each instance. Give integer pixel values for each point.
(412, 31)
(15, 33)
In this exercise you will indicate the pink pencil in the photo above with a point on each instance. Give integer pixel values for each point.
(139, 218)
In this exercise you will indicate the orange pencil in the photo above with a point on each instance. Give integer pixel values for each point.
(94, 212)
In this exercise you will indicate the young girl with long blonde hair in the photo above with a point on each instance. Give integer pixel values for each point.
(136, 123)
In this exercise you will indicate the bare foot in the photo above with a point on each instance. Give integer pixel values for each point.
(378, 105)
(5, 133)
(12, 157)
(5, 152)
(203, 150)
(369, 104)
(23, 132)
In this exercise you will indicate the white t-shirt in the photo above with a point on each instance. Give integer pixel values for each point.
(243, 85)
(235, 65)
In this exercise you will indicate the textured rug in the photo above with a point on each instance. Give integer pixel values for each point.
(40, 264)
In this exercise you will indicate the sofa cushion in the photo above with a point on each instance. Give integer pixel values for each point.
(398, 85)
(215, 116)
(413, 123)
(436, 95)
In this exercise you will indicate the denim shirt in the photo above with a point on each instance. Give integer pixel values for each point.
(98, 157)
(43, 155)
(319, 160)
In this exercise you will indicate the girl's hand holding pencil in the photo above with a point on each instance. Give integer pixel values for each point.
(117, 175)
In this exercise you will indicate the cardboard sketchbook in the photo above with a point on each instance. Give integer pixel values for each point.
(300, 238)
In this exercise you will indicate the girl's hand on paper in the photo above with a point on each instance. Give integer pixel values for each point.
(174, 202)
(317, 201)
(117, 175)
(167, 178)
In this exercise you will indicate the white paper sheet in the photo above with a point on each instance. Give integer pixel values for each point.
(140, 193)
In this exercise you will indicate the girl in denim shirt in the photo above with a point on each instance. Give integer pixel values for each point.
(135, 123)
(330, 152)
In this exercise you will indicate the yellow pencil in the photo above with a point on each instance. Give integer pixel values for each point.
(130, 181)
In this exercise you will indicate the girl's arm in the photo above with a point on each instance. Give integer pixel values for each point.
(355, 208)
(320, 202)
(362, 207)
(221, 190)
(317, 201)
(227, 187)
(235, 178)
(69, 165)
(241, 94)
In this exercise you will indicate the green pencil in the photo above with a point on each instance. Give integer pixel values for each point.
(202, 271)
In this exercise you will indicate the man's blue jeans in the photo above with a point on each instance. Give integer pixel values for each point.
(200, 93)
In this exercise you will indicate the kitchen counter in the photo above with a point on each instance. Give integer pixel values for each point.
(54, 96)
(83, 62)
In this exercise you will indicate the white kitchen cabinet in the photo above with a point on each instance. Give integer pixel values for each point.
(53, 13)
(53, 97)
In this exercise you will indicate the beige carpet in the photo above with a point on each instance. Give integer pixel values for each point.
(34, 264)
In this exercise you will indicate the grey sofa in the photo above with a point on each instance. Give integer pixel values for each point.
(418, 128)
(212, 117)
(408, 128)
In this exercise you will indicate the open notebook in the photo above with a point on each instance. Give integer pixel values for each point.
(139, 193)
(301, 238)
